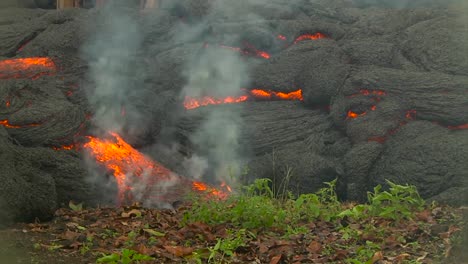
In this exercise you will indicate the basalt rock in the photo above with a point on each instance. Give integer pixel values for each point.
(384, 97)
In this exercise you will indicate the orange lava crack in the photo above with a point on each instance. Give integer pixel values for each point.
(192, 102)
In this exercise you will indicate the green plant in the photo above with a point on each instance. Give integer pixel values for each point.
(87, 245)
(126, 256)
(228, 246)
(400, 201)
(75, 207)
(131, 239)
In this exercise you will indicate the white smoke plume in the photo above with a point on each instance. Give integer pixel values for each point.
(217, 72)
(111, 52)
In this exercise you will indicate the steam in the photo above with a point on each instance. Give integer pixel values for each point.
(219, 73)
(111, 53)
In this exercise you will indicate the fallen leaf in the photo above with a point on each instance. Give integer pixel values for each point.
(275, 259)
(262, 249)
(401, 257)
(179, 251)
(133, 212)
(377, 257)
(422, 257)
(70, 235)
(154, 232)
(314, 247)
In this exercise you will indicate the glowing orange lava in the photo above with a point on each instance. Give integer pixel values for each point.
(130, 167)
(192, 102)
(315, 36)
(366, 92)
(7, 124)
(282, 37)
(459, 127)
(410, 114)
(26, 68)
(249, 50)
(66, 147)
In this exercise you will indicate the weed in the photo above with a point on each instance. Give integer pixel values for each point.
(126, 256)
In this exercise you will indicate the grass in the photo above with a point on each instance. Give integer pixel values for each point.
(266, 224)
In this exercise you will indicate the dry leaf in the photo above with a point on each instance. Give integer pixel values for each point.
(314, 247)
(275, 259)
(132, 213)
(401, 257)
(179, 251)
(262, 249)
(377, 257)
(70, 235)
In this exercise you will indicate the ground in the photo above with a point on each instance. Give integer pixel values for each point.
(83, 236)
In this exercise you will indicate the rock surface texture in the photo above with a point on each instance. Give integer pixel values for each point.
(385, 96)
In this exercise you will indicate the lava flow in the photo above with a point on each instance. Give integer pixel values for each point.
(249, 50)
(259, 94)
(314, 36)
(7, 124)
(131, 168)
(26, 68)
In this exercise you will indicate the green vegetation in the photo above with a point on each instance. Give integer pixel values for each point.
(263, 223)
(127, 256)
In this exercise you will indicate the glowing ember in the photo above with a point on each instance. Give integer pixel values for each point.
(460, 127)
(281, 37)
(7, 124)
(8, 103)
(369, 93)
(249, 50)
(26, 68)
(130, 167)
(191, 102)
(410, 114)
(352, 114)
(265, 94)
(67, 147)
(315, 36)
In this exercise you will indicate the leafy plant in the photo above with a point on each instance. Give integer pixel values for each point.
(400, 201)
(75, 207)
(228, 246)
(126, 256)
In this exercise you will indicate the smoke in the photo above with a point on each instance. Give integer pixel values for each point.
(405, 3)
(111, 53)
(116, 82)
(218, 73)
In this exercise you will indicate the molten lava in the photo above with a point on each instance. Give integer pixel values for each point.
(26, 68)
(248, 50)
(259, 94)
(366, 92)
(130, 167)
(7, 124)
(315, 36)
(460, 127)
(191, 103)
